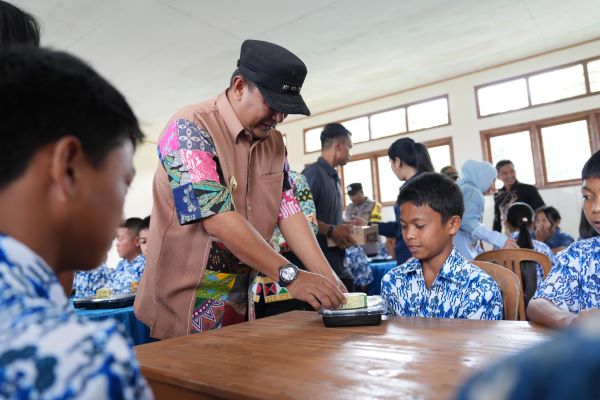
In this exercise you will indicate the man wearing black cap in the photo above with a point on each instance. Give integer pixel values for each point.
(220, 189)
(361, 210)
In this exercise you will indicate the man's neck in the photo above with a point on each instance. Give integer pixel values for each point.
(329, 158)
(132, 258)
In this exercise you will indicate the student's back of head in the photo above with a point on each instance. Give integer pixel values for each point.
(436, 191)
(45, 95)
(17, 26)
(411, 153)
(520, 217)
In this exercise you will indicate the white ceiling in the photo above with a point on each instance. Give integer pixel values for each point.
(163, 54)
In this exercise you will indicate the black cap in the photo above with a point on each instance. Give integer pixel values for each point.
(354, 188)
(277, 73)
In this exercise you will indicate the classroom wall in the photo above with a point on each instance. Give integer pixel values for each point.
(465, 126)
(464, 130)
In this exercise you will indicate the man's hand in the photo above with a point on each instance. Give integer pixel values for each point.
(510, 244)
(316, 290)
(342, 236)
(359, 221)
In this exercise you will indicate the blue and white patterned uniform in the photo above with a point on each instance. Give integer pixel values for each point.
(358, 263)
(543, 248)
(86, 283)
(574, 281)
(126, 272)
(46, 350)
(461, 290)
(564, 368)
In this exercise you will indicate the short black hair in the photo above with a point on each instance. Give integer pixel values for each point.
(237, 72)
(17, 26)
(591, 168)
(435, 190)
(331, 132)
(550, 212)
(145, 224)
(45, 95)
(411, 153)
(502, 163)
(134, 224)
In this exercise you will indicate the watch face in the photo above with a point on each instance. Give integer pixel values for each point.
(288, 273)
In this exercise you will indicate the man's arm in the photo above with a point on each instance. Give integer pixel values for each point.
(303, 243)
(545, 312)
(241, 239)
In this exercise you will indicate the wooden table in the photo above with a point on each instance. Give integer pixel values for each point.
(293, 356)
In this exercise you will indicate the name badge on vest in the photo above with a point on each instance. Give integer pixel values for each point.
(233, 183)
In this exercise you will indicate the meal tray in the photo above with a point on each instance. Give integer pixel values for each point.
(370, 315)
(114, 301)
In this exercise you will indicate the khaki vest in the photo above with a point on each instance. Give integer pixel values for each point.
(177, 254)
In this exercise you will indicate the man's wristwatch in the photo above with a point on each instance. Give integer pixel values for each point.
(329, 230)
(287, 274)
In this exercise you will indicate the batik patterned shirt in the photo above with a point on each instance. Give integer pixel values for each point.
(190, 159)
(46, 350)
(460, 290)
(358, 263)
(120, 279)
(574, 281)
(86, 283)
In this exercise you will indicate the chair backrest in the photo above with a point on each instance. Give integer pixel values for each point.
(509, 284)
(512, 259)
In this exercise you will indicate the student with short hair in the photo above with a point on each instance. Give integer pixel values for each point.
(571, 289)
(437, 282)
(69, 138)
(131, 266)
(143, 235)
(547, 229)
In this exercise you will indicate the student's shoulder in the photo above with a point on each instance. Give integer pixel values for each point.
(477, 276)
(411, 265)
(581, 250)
(71, 354)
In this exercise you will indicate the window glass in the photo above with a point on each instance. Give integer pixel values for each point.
(359, 172)
(312, 140)
(389, 185)
(594, 75)
(515, 147)
(502, 97)
(388, 123)
(359, 127)
(558, 168)
(440, 156)
(556, 85)
(428, 114)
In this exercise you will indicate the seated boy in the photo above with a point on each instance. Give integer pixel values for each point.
(132, 263)
(143, 235)
(437, 282)
(572, 287)
(86, 283)
(69, 138)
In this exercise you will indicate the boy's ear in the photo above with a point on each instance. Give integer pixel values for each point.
(65, 165)
(453, 224)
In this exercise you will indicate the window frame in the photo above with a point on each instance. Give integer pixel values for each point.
(588, 92)
(369, 115)
(535, 136)
(374, 155)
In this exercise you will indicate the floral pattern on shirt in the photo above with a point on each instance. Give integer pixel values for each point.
(574, 281)
(120, 279)
(358, 263)
(190, 160)
(460, 290)
(46, 350)
(86, 283)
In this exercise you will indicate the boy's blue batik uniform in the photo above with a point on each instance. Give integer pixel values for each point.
(574, 281)
(46, 350)
(460, 290)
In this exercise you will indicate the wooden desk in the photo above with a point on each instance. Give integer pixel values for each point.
(293, 356)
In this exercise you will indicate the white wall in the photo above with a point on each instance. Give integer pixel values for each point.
(465, 126)
(464, 130)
